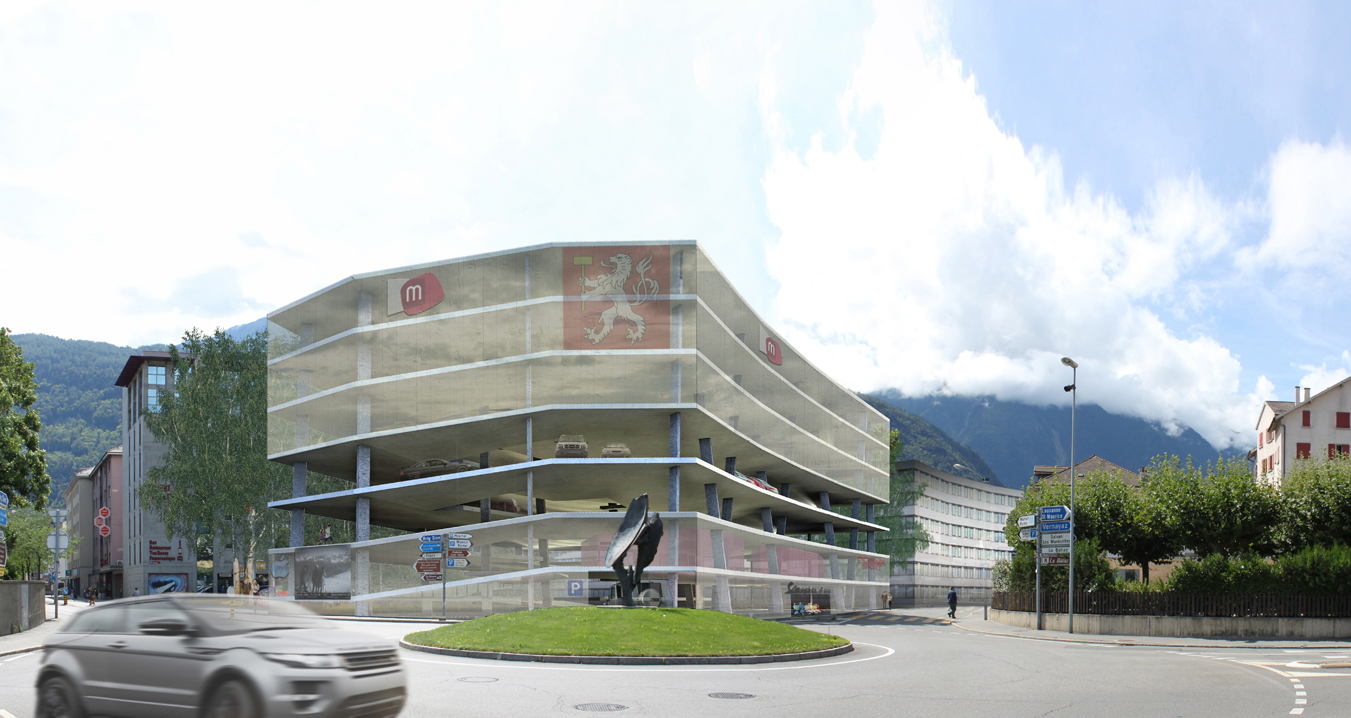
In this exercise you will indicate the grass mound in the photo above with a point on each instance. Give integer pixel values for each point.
(584, 631)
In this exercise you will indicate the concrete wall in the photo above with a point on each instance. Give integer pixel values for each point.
(1319, 629)
(22, 605)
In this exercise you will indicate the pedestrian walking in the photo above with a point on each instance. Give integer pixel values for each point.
(952, 602)
(326, 535)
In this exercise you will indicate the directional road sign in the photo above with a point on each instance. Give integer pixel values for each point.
(1055, 550)
(1062, 539)
(1055, 560)
(1051, 527)
(58, 541)
(433, 555)
(427, 566)
(2, 553)
(458, 543)
(460, 536)
(432, 547)
(1055, 513)
(433, 577)
(1027, 535)
(4, 499)
(1027, 521)
(457, 563)
(430, 538)
(458, 553)
(4, 513)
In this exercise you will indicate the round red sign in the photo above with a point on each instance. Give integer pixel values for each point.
(104, 530)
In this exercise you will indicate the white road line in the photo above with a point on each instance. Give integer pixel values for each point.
(21, 655)
(1301, 693)
(634, 669)
(1298, 686)
(5, 714)
(1296, 711)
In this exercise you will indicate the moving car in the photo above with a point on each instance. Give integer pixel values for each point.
(215, 656)
(437, 467)
(571, 446)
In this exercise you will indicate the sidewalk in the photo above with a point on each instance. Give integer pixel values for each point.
(32, 639)
(970, 619)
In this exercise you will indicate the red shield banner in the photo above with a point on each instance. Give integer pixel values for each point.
(612, 297)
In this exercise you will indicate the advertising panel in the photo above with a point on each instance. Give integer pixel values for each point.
(168, 583)
(323, 573)
(617, 289)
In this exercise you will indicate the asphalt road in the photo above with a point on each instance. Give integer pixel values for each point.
(898, 669)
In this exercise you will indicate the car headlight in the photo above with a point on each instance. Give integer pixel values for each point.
(304, 660)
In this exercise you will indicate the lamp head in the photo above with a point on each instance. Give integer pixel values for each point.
(1069, 387)
(1069, 362)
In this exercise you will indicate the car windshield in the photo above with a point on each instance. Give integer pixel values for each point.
(241, 614)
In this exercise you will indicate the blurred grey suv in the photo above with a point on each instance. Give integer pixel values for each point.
(215, 656)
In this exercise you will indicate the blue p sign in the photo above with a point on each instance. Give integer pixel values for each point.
(576, 587)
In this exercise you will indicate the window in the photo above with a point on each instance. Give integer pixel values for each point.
(1261, 439)
(1302, 450)
(152, 400)
(1344, 420)
(1306, 417)
(156, 375)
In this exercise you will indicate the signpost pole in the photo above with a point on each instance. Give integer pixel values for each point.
(1074, 404)
(444, 567)
(1038, 570)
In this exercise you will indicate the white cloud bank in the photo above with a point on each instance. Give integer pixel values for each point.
(956, 260)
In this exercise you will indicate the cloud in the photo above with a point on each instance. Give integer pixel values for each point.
(955, 259)
(1323, 376)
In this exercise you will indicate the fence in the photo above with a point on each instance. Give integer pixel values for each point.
(1179, 604)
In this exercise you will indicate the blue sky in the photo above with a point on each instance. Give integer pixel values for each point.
(930, 196)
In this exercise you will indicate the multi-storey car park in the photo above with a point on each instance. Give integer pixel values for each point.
(524, 398)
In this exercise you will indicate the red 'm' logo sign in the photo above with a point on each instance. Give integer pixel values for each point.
(421, 293)
(772, 351)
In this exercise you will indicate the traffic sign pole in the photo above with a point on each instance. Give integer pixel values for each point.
(1038, 575)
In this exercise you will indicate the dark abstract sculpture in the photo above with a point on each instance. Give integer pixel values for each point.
(637, 529)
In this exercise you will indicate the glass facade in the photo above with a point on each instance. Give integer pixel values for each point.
(496, 357)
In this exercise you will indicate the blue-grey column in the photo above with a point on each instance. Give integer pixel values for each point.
(673, 525)
(782, 525)
(711, 498)
(872, 535)
(706, 451)
(298, 472)
(872, 548)
(772, 556)
(730, 465)
(783, 488)
(722, 589)
(727, 509)
(485, 503)
(767, 518)
(853, 532)
(836, 592)
(362, 572)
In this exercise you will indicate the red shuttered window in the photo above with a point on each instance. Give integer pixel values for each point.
(1261, 441)
(1302, 450)
(1306, 421)
(1344, 420)
(1332, 451)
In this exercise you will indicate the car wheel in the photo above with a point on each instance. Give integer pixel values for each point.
(231, 699)
(57, 699)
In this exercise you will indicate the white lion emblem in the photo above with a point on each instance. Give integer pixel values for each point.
(611, 286)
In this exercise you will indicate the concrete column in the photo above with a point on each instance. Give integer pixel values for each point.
(730, 465)
(673, 525)
(711, 498)
(676, 370)
(485, 503)
(306, 334)
(298, 474)
(361, 572)
(783, 488)
(853, 532)
(363, 361)
(304, 383)
(363, 413)
(529, 493)
(364, 309)
(302, 431)
(782, 526)
(767, 518)
(706, 451)
(727, 509)
(539, 506)
(872, 535)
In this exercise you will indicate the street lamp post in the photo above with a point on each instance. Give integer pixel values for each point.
(1073, 388)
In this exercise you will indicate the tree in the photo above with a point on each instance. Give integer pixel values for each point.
(23, 465)
(1317, 495)
(1222, 509)
(1129, 521)
(215, 477)
(26, 539)
(905, 536)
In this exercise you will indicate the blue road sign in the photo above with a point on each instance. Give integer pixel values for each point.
(576, 587)
(430, 547)
(1050, 527)
(4, 515)
(4, 499)
(430, 538)
(1055, 513)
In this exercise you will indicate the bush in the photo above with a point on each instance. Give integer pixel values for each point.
(1314, 571)
(1092, 572)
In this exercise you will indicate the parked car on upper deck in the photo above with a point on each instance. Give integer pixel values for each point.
(571, 446)
(437, 467)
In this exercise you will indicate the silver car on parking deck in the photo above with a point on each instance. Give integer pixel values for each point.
(215, 656)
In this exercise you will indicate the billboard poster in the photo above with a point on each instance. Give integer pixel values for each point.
(168, 583)
(613, 297)
(322, 573)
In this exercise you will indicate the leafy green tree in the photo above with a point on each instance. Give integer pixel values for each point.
(215, 474)
(1219, 510)
(905, 536)
(1317, 495)
(1129, 521)
(1092, 571)
(23, 465)
(26, 541)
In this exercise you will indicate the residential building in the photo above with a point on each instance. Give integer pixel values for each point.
(1311, 426)
(519, 400)
(1088, 467)
(155, 563)
(965, 521)
(107, 492)
(79, 501)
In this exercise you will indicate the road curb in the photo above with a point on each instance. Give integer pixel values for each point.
(1131, 641)
(17, 651)
(634, 660)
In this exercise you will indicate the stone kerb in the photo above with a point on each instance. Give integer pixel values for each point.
(1323, 629)
(634, 660)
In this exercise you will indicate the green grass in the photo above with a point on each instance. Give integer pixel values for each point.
(581, 631)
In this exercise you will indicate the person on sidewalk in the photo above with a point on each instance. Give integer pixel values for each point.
(136, 591)
(952, 602)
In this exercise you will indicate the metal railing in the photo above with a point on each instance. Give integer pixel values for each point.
(1178, 604)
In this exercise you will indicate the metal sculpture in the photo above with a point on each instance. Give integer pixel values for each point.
(637, 529)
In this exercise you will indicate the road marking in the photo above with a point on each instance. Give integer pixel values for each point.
(1296, 650)
(1296, 711)
(1301, 693)
(21, 655)
(5, 714)
(634, 669)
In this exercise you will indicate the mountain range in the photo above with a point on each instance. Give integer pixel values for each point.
(1013, 436)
